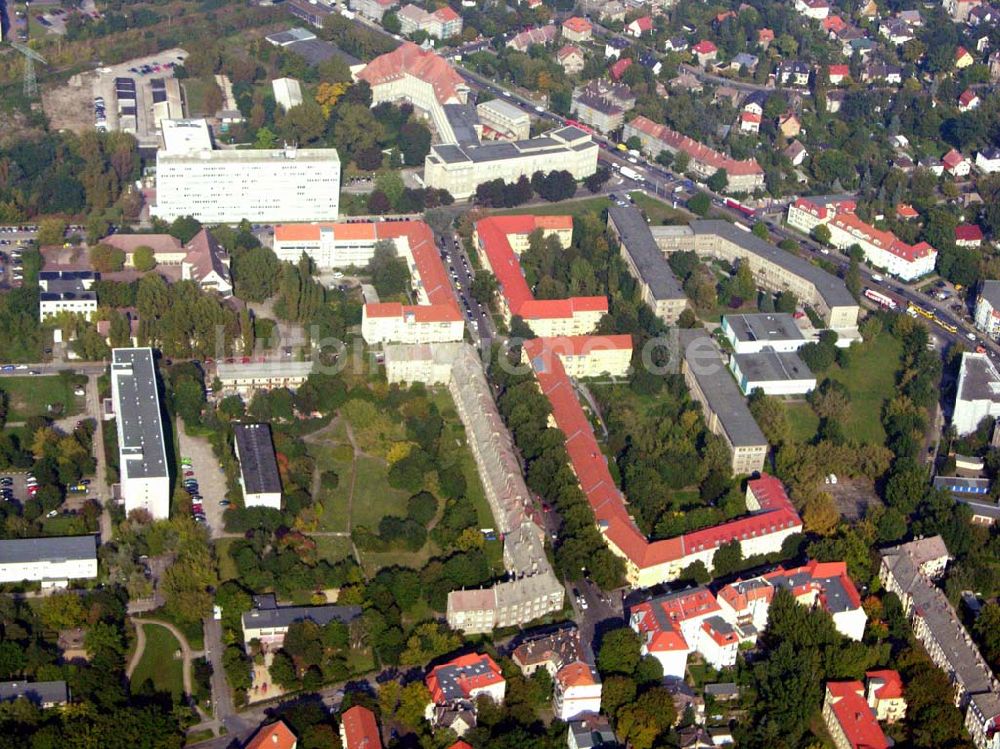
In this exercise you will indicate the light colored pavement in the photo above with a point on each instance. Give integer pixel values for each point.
(222, 696)
(211, 480)
(99, 486)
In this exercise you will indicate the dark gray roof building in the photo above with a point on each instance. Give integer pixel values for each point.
(42, 693)
(280, 618)
(140, 427)
(47, 549)
(258, 466)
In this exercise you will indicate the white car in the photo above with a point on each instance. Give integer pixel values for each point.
(970, 336)
(337, 274)
(540, 110)
(22, 366)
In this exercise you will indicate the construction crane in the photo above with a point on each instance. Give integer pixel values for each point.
(30, 57)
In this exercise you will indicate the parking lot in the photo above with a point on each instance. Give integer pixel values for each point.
(20, 492)
(142, 71)
(211, 480)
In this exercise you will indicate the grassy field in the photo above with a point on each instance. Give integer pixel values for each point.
(373, 497)
(227, 567)
(333, 456)
(333, 548)
(658, 212)
(870, 378)
(158, 663)
(573, 208)
(30, 396)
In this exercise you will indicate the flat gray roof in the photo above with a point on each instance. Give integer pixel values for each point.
(463, 119)
(554, 142)
(39, 692)
(704, 361)
(991, 293)
(832, 289)
(764, 326)
(263, 370)
(258, 465)
(648, 259)
(282, 617)
(978, 379)
(772, 366)
(140, 425)
(47, 549)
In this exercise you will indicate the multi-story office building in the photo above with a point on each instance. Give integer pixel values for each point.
(988, 308)
(773, 268)
(66, 291)
(259, 476)
(227, 186)
(460, 169)
(142, 456)
(443, 23)
(53, 560)
(501, 120)
(660, 289)
(744, 176)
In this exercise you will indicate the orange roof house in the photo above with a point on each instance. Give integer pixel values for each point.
(275, 736)
(359, 730)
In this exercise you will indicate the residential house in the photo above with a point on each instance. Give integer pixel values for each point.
(833, 25)
(796, 153)
(455, 686)
(613, 48)
(617, 70)
(269, 622)
(543, 35)
(963, 58)
(835, 100)
(968, 100)
(359, 729)
(895, 31)
(867, 9)
(906, 212)
(207, 264)
(959, 9)
(988, 160)
(706, 52)
(43, 694)
(750, 122)
(882, 248)
(744, 60)
(792, 73)
(932, 164)
(988, 309)
(274, 736)
(677, 44)
(884, 691)
(443, 23)
(968, 235)
(640, 26)
(911, 18)
(570, 58)
(881, 71)
(577, 29)
(612, 11)
(755, 102)
(956, 164)
(764, 37)
(983, 15)
(789, 125)
(591, 732)
(649, 61)
(838, 74)
(849, 719)
(816, 9)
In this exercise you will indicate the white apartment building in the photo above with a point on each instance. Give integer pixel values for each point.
(66, 291)
(763, 331)
(988, 308)
(246, 379)
(142, 457)
(259, 475)
(227, 186)
(53, 560)
(338, 245)
(577, 691)
(978, 393)
(882, 248)
(420, 362)
(504, 120)
(460, 169)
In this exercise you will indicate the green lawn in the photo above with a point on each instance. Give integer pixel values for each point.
(30, 396)
(659, 212)
(333, 548)
(373, 497)
(334, 456)
(158, 662)
(870, 378)
(194, 95)
(227, 567)
(573, 208)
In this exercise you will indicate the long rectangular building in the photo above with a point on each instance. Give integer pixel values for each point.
(142, 456)
(773, 268)
(659, 287)
(258, 466)
(460, 169)
(51, 560)
(229, 185)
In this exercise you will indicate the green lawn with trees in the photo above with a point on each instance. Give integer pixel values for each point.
(31, 396)
(159, 664)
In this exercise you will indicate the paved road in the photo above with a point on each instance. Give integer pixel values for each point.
(702, 75)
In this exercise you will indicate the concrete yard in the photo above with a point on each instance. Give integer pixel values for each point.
(211, 480)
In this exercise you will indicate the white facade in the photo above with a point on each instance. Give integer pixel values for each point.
(765, 331)
(573, 700)
(51, 307)
(287, 92)
(328, 245)
(144, 478)
(53, 561)
(988, 161)
(774, 373)
(988, 309)
(882, 249)
(227, 186)
(978, 393)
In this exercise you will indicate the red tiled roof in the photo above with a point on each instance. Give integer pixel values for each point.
(360, 729)
(275, 736)
(967, 97)
(576, 674)
(751, 117)
(892, 683)
(855, 717)
(884, 240)
(463, 671)
(833, 23)
(697, 151)
(446, 14)
(410, 59)
(960, 53)
(952, 159)
(619, 68)
(704, 47)
(568, 50)
(765, 35)
(968, 233)
(460, 745)
(643, 24)
(577, 24)
(839, 70)
(905, 210)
